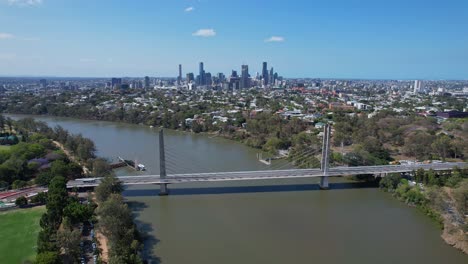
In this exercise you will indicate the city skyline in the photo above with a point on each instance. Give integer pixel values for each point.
(358, 40)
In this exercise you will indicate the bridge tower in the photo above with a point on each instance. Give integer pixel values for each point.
(325, 162)
(162, 165)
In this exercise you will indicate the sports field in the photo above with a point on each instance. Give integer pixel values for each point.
(4, 147)
(18, 232)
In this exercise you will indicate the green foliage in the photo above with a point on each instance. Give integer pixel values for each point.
(40, 198)
(116, 223)
(78, 212)
(21, 201)
(390, 182)
(44, 178)
(56, 201)
(48, 257)
(109, 185)
(274, 144)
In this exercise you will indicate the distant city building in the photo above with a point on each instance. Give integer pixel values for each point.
(116, 82)
(417, 86)
(221, 77)
(234, 81)
(179, 79)
(190, 77)
(43, 83)
(147, 82)
(207, 79)
(201, 74)
(245, 77)
(271, 77)
(265, 73)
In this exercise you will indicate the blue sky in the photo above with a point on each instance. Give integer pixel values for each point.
(397, 39)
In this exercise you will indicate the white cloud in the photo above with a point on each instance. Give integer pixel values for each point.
(6, 36)
(275, 39)
(204, 32)
(24, 2)
(189, 9)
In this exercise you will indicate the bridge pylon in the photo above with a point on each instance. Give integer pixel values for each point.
(162, 165)
(325, 162)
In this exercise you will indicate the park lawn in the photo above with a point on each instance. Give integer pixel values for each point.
(18, 233)
(4, 147)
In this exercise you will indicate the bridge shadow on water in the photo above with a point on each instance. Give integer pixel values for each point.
(146, 230)
(248, 189)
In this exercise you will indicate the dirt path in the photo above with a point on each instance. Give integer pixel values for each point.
(70, 156)
(102, 240)
(103, 246)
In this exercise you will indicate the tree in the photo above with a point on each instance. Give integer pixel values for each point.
(18, 184)
(390, 182)
(44, 178)
(57, 200)
(69, 242)
(77, 212)
(48, 257)
(21, 201)
(441, 145)
(109, 185)
(101, 168)
(40, 198)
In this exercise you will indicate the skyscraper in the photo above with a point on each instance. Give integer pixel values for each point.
(179, 79)
(147, 82)
(190, 77)
(116, 82)
(245, 81)
(271, 77)
(265, 73)
(417, 86)
(201, 75)
(234, 81)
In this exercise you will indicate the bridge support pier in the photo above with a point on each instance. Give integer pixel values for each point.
(324, 183)
(163, 190)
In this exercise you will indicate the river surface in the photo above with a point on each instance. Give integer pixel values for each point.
(282, 221)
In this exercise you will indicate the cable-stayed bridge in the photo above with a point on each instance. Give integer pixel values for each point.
(163, 179)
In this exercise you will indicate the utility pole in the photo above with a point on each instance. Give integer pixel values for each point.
(162, 165)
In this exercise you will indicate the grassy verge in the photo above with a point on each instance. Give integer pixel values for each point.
(18, 232)
(4, 147)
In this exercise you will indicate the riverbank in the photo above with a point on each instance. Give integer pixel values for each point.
(455, 223)
(71, 156)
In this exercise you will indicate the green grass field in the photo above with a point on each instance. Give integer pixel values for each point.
(4, 147)
(18, 233)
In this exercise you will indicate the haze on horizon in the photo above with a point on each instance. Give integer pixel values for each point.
(328, 39)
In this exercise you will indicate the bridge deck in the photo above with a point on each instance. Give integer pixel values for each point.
(266, 175)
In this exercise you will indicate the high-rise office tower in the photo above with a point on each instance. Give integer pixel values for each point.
(190, 77)
(221, 77)
(207, 78)
(179, 79)
(245, 81)
(271, 77)
(417, 86)
(201, 75)
(234, 81)
(147, 82)
(265, 73)
(116, 82)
